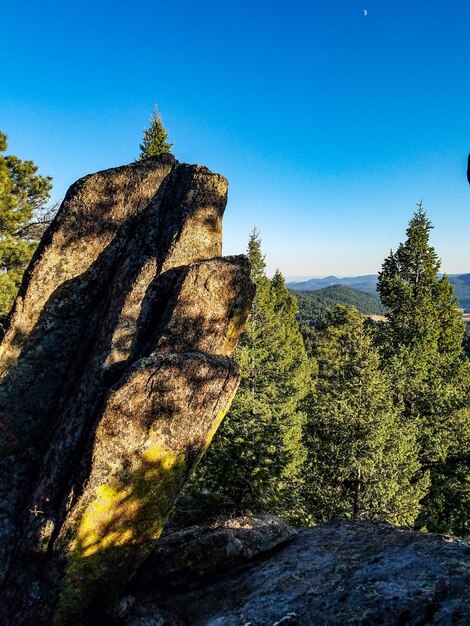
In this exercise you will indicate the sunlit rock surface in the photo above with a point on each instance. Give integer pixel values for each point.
(344, 572)
(115, 376)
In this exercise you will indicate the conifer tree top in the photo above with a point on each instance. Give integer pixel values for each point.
(413, 269)
(155, 138)
(22, 191)
(258, 264)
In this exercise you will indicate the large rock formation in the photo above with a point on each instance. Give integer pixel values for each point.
(345, 572)
(115, 376)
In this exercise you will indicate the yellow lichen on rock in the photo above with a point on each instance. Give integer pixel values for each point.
(98, 516)
(127, 514)
(215, 425)
(106, 521)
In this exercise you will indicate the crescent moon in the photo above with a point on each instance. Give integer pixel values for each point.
(365, 12)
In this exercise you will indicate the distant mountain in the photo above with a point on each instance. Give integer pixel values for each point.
(313, 304)
(461, 283)
(363, 283)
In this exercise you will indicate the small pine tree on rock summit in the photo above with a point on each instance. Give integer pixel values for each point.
(155, 138)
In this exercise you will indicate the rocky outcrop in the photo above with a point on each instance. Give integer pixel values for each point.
(345, 572)
(115, 376)
(198, 551)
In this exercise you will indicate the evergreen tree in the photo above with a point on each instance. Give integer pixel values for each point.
(447, 507)
(466, 343)
(362, 461)
(23, 193)
(421, 344)
(255, 457)
(155, 138)
(421, 308)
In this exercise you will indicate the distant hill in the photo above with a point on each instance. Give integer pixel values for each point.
(461, 283)
(363, 283)
(313, 304)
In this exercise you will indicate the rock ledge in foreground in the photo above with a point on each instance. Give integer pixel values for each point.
(345, 572)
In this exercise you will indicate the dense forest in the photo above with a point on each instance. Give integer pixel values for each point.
(363, 419)
(368, 283)
(339, 416)
(314, 304)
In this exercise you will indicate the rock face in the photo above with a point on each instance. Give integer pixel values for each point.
(345, 572)
(195, 552)
(115, 376)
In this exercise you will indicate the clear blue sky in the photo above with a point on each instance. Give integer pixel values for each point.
(329, 124)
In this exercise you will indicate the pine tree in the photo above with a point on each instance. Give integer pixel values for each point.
(23, 192)
(155, 138)
(447, 507)
(466, 344)
(362, 461)
(255, 457)
(421, 345)
(421, 307)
